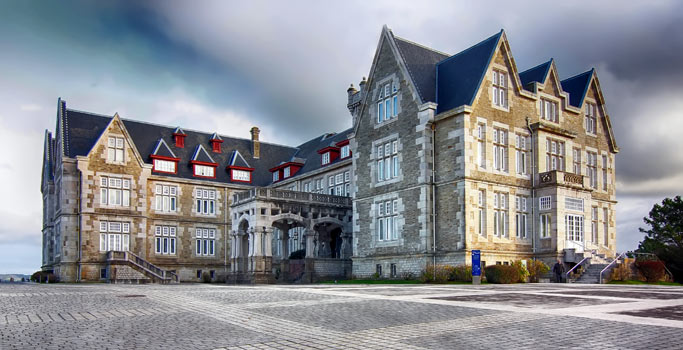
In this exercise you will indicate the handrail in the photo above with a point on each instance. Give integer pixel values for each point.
(573, 268)
(610, 264)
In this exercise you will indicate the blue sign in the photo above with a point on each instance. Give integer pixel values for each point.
(476, 263)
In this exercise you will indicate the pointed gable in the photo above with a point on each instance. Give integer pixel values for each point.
(458, 77)
(162, 150)
(236, 160)
(201, 155)
(536, 74)
(421, 63)
(577, 86)
(179, 137)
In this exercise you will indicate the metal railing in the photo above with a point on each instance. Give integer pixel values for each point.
(610, 264)
(143, 264)
(574, 268)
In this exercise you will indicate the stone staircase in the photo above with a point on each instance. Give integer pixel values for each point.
(591, 275)
(126, 267)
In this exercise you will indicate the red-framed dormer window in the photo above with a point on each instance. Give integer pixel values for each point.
(179, 139)
(165, 165)
(328, 154)
(203, 169)
(240, 174)
(344, 149)
(216, 145)
(285, 170)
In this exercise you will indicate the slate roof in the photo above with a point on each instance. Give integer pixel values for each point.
(421, 63)
(162, 149)
(83, 129)
(458, 77)
(536, 74)
(309, 151)
(577, 86)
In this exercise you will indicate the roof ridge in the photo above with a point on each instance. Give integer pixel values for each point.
(578, 75)
(536, 66)
(421, 46)
(471, 47)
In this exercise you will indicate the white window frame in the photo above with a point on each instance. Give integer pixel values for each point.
(481, 204)
(555, 155)
(164, 166)
(522, 154)
(500, 214)
(545, 203)
(204, 170)
(591, 120)
(387, 103)
(114, 236)
(387, 220)
(521, 223)
(500, 150)
(549, 110)
(345, 151)
(574, 227)
(205, 242)
(205, 201)
(165, 198)
(545, 225)
(115, 191)
(165, 240)
(286, 172)
(592, 168)
(573, 204)
(481, 145)
(499, 88)
(241, 175)
(115, 149)
(388, 165)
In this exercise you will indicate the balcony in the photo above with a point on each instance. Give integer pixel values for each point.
(561, 178)
(272, 194)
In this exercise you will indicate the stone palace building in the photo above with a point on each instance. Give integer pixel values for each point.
(446, 154)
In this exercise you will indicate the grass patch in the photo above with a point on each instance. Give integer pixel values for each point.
(632, 282)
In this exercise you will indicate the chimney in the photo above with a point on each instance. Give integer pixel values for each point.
(255, 144)
(362, 84)
(351, 91)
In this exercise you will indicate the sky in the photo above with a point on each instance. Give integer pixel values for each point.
(226, 66)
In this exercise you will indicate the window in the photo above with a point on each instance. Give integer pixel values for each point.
(387, 220)
(481, 203)
(500, 150)
(326, 158)
(115, 150)
(165, 198)
(286, 172)
(500, 97)
(575, 204)
(577, 161)
(521, 217)
(544, 227)
(205, 241)
(554, 156)
(276, 175)
(114, 235)
(544, 203)
(387, 105)
(522, 152)
(241, 175)
(114, 191)
(500, 219)
(591, 125)
(393, 270)
(387, 161)
(204, 170)
(549, 110)
(604, 173)
(594, 225)
(574, 227)
(206, 201)
(345, 151)
(164, 166)
(481, 145)
(378, 270)
(307, 187)
(165, 240)
(605, 222)
(592, 169)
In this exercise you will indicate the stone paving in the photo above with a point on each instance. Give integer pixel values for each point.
(197, 316)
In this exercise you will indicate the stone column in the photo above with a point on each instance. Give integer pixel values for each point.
(268, 236)
(285, 244)
(310, 243)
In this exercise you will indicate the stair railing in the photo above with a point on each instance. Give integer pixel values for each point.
(610, 264)
(574, 268)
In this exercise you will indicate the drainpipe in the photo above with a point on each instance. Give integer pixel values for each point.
(225, 233)
(80, 214)
(533, 189)
(433, 127)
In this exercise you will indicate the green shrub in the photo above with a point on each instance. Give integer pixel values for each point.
(435, 275)
(502, 274)
(536, 269)
(297, 255)
(460, 273)
(522, 270)
(653, 271)
(622, 272)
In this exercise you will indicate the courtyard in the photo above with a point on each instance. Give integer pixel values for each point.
(211, 316)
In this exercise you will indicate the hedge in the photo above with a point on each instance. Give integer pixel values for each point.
(502, 274)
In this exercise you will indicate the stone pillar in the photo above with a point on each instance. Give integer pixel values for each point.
(268, 236)
(285, 244)
(310, 243)
(346, 244)
(256, 243)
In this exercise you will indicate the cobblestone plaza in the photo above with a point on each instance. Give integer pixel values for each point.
(530, 316)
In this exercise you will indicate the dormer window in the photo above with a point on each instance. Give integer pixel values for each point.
(163, 159)
(115, 150)
(164, 166)
(204, 170)
(179, 137)
(286, 173)
(500, 94)
(549, 110)
(216, 142)
(326, 158)
(387, 104)
(276, 175)
(345, 151)
(241, 175)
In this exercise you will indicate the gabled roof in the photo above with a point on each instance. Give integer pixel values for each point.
(201, 155)
(421, 63)
(83, 130)
(237, 160)
(162, 150)
(458, 77)
(308, 151)
(577, 87)
(215, 136)
(178, 131)
(536, 74)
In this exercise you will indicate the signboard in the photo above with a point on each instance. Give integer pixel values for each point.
(476, 263)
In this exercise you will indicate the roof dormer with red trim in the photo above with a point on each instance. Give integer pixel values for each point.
(328, 154)
(216, 143)
(238, 168)
(163, 159)
(202, 164)
(286, 170)
(344, 149)
(179, 137)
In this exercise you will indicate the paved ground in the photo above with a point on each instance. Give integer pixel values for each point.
(532, 316)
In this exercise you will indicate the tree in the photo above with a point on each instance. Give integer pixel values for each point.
(664, 238)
